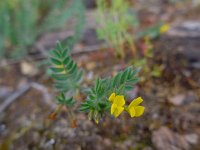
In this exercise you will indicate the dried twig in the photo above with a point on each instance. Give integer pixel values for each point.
(46, 96)
(23, 89)
(44, 53)
(89, 49)
(20, 91)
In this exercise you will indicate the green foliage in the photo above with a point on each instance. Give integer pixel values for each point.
(62, 100)
(57, 19)
(67, 77)
(119, 26)
(97, 103)
(67, 80)
(115, 22)
(17, 23)
(22, 21)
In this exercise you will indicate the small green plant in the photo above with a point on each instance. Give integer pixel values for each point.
(107, 95)
(116, 21)
(22, 21)
(67, 78)
(97, 103)
(119, 26)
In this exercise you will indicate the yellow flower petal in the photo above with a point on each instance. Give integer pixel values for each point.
(135, 102)
(119, 100)
(113, 108)
(164, 28)
(118, 111)
(131, 111)
(139, 110)
(112, 97)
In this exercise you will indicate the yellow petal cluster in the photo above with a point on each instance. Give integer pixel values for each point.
(118, 106)
(133, 109)
(164, 28)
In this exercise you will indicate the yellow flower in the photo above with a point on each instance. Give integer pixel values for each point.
(112, 97)
(117, 106)
(164, 28)
(133, 109)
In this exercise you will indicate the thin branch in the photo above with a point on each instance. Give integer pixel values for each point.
(20, 91)
(46, 96)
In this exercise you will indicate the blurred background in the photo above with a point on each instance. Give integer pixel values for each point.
(104, 36)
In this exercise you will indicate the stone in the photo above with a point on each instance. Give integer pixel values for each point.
(165, 139)
(189, 28)
(183, 99)
(28, 68)
(191, 138)
(90, 37)
(177, 100)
